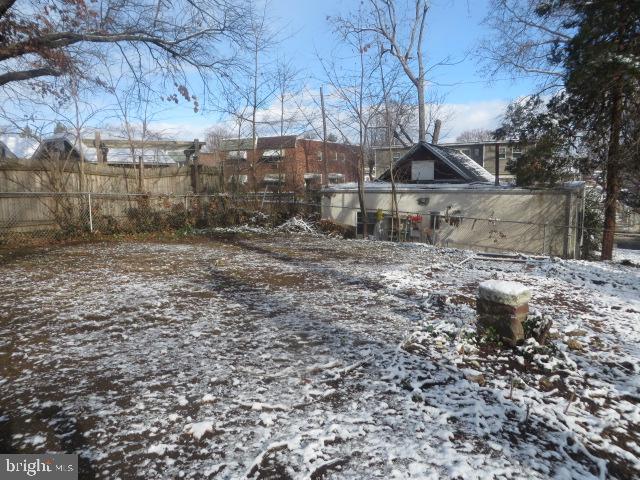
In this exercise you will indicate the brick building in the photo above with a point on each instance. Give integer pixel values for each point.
(288, 163)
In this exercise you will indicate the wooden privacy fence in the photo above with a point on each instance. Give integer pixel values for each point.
(26, 216)
(68, 177)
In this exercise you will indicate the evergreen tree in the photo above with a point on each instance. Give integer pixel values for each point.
(592, 122)
(603, 84)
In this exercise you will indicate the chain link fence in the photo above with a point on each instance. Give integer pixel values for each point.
(32, 218)
(481, 234)
(495, 235)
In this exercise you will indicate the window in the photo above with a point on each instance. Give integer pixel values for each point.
(274, 178)
(312, 180)
(239, 179)
(272, 155)
(422, 170)
(396, 156)
(237, 155)
(516, 151)
(319, 155)
(502, 152)
(335, 178)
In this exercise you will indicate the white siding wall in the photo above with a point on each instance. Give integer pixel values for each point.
(545, 214)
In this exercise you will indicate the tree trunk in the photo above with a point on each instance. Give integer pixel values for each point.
(254, 110)
(363, 211)
(363, 136)
(422, 126)
(612, 187)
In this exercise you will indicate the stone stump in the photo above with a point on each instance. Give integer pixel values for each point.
(503, 306)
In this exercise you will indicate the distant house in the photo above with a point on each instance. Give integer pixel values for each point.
(286, 162)
(483, 153)
(16, 146)
(115, 151)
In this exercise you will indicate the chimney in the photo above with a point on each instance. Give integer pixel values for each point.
(436, 132)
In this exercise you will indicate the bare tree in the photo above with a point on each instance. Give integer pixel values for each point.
(357, 91)
(42, 39)
(521, 42)
(215, 138)
(59, 161)
(287, 86)
(392, 119)
(475, 135)
(400, 25)
(134, 110)
(247, 96)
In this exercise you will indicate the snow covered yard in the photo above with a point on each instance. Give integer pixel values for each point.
(290, 356)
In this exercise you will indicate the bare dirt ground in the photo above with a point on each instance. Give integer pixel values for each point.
(283, 356)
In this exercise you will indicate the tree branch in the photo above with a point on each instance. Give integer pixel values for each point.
(28, 75)
(5, 5)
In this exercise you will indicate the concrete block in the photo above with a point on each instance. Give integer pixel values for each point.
(505, 293)
(503, 306)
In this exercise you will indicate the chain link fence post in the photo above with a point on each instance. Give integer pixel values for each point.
(90, 213)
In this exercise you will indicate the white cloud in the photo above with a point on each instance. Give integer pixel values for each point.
(182, 130)
(456, 118)
(467, 116)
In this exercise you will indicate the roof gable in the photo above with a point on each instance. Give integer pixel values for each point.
(18, 146)
(451, 165)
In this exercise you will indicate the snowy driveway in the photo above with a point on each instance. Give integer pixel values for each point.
(306, 357)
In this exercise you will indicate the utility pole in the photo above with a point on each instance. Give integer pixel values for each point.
(141, 172)
(196, 173)
(497, 165)
(325, 156)
(97, 142)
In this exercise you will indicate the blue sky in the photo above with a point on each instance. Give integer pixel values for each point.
(453, 29)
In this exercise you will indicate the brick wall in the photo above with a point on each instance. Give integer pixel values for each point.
(305, 158)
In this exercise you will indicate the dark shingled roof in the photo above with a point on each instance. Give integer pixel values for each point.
(276, 143)
(464, 168)
(263, 143)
